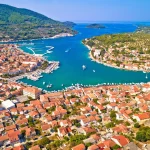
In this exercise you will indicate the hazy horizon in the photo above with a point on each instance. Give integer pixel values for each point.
(89, 10)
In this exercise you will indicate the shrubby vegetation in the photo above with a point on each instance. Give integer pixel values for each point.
(133, 40)
(96, 26)
(43, 142)
(69, 24)
(122, 50)
(137, 125)
(23, 24)
(143, 134)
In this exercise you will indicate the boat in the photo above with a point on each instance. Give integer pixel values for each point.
(49, 86)
(31, 43)
(48, 46)
(43, 83)
(93, 70)
(62, 85)
(67, 50)
(27, 43)
(48, 51)
(146, 76)
(84, 67)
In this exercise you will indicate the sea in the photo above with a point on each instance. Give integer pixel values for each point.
(72, 55)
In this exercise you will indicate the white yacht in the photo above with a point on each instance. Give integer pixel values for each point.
(48, 51)
(49, 86)
(67, 50)
(146, 76)
(84, 67)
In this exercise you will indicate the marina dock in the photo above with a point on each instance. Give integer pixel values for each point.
(36, 75)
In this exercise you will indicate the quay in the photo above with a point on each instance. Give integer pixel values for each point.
(35, 75)
(53, 66)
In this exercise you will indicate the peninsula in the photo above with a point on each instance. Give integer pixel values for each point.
(130, 51)
(23, 24)
(96, 26)
(69, 24)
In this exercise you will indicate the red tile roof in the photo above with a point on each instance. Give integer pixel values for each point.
(79, 147)
(121, 139)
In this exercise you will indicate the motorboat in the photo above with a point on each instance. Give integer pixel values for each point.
(84, 67)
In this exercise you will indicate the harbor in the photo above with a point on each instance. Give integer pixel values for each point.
(35, 75)
(81, 86)
(76, 66)
(48, 51)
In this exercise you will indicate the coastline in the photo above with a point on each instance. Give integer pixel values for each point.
(108, 65)
(30, 54)
(61, 35)
(52, 65)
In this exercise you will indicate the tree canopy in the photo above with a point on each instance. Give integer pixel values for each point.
(24, 24)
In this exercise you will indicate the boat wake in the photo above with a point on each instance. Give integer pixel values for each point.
(50, 47)
(34, 52)
(67, 50)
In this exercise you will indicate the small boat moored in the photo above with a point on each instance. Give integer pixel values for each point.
(49, 86)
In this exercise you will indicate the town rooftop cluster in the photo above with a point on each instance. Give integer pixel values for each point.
(14, 61)
(101, 118)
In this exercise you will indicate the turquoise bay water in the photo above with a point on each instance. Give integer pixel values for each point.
(70, 71)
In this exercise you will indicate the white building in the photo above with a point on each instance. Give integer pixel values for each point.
(31, 92)
(8, 104)
(96, 53)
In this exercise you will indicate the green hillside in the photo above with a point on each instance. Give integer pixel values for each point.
(22, 24)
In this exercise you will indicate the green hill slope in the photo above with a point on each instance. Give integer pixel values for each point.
(22, 24)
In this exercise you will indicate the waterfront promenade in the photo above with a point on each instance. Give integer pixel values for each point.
(53, 65)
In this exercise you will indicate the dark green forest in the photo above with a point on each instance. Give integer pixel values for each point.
(22, 24)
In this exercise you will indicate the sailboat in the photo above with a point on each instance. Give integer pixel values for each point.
(84, 67)
(93, 70)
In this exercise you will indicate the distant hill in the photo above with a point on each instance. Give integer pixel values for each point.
(69, 24)
(22, 24)
(96, 26)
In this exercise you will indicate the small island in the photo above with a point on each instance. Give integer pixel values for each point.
(130, 51)
(96, 26)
